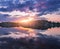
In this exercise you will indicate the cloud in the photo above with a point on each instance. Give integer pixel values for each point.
(52, 17)
(4, 17)
(43, 6)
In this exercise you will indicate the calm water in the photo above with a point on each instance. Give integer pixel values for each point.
(19, 32)
(26, 38)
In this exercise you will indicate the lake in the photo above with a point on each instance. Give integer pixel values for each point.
(18, 32)
(27, 38)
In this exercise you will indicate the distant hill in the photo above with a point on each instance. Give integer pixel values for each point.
(36, 24)
(9, 24)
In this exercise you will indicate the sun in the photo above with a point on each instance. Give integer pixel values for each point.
(27, 20)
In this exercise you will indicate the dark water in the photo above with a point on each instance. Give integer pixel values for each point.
(26, 38)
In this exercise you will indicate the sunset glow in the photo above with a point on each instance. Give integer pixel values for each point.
(27, 20)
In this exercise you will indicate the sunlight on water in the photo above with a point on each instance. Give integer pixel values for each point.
(27, 31)
(20, 32)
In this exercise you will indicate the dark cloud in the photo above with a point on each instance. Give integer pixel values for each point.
(48, 6)
(53, 5)
(4, 17)
(42, 6)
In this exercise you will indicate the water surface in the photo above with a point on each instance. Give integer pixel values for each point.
(18, 32)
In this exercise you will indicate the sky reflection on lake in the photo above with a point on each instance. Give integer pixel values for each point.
(19, 32)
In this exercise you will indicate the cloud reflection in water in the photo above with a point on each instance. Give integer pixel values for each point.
(20, 32)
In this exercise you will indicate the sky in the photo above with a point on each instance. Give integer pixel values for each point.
(11, 10)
